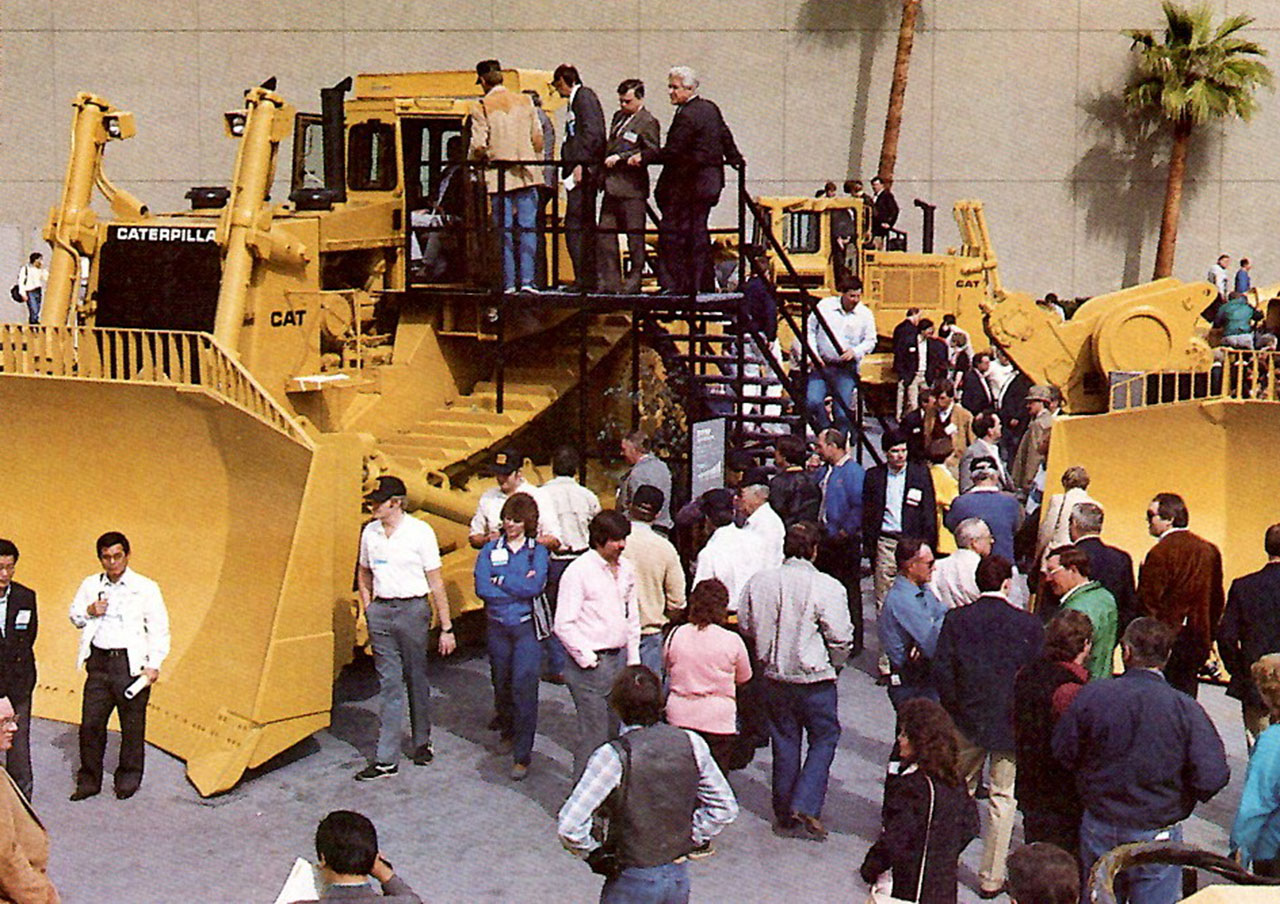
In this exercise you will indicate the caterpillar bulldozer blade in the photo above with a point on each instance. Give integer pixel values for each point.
(247, 523)
(1212, 451)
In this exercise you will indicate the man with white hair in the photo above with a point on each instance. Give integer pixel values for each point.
(698, 146)
(954, 578)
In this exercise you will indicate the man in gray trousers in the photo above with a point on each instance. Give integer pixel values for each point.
(399, 567)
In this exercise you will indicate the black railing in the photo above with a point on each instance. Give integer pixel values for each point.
(491, 291)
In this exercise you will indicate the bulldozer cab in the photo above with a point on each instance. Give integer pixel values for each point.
(405, 140)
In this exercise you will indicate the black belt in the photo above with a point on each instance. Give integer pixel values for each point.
(114, 651)
(571, 554)
(890, 535)
(398, 599)
(609, 650)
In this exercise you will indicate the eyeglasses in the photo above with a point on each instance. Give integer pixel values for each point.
(1151, 516)
(1053, 570)
(9, 725)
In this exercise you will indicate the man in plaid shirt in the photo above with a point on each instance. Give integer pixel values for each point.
(662, 792)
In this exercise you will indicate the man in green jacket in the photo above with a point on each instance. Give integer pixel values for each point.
(1067, 571)
(1236, 319)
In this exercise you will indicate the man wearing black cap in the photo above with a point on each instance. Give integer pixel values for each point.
(399, 566)
(759, 517)
(505, 127)
(660, 582)
(486, 525)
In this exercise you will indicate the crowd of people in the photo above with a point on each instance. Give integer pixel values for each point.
(1026, 665)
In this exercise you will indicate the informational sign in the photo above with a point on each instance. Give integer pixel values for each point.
(708, 455)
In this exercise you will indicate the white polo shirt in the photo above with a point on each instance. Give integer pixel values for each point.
(488, 516)
(400, 562)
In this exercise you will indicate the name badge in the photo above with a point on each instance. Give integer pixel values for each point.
(913, 496)
(951, 430)
(631, 136)
(499, 556)
(23, 619)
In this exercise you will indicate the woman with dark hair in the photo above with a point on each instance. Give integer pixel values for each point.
(705, 663)
(928, 817)
(511, 570)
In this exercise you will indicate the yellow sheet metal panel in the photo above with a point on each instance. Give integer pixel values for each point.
(1217, 455)
(213, 502)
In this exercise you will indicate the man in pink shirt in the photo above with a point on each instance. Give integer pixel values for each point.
(598, 623)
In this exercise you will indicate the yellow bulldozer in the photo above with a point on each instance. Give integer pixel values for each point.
(1150, 404)
(235, 375)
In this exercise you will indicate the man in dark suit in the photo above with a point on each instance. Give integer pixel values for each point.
(975, 393)
(626, 189)
(1250, 629)
(980, 649)
(698, 146)
(1180, 584)
(884, 212)
(19, 622)
(1109, 566)
(581, 155)
(897, 501)
(919, 361)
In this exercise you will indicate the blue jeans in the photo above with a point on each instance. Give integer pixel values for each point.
(515, 214)
(796, 710)
(398, 634)
(553, 654)
(34, 298)
(843, 377)
(1152, 884)
(651, 652)
(666, 884)
(515, 659)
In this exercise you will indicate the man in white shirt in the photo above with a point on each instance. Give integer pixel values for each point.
(761, 519)
(32, 279)
(124, 639)
(955, 580)
(399, 567)
(1219, 276)
(575, 506)
(854, 328)
(733, 555)
(486, 524)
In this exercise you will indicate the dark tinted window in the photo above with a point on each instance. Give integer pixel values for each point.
(371, 157)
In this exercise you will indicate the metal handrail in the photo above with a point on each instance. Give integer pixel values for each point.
(1235, 375)
(152, 357)
(809, 305)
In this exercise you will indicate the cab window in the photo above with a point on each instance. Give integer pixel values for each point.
(371, 157)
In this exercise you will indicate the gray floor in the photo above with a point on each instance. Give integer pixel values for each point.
(458, 830)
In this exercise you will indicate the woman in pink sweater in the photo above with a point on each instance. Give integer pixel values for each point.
(705, 663)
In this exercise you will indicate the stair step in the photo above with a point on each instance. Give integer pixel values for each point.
(469, 415)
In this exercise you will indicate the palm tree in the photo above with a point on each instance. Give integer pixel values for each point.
(1199, 73)
(898, 90)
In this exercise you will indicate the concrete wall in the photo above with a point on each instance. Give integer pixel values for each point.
(1010, 102)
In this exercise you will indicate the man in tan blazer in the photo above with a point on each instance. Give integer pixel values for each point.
(24, 844)
(504, 127)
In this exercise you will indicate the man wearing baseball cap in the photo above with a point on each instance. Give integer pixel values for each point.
(399, 567)
(1041, 407)
(486, 524)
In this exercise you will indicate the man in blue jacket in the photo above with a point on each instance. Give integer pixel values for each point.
(840, 551)
(1142, 754)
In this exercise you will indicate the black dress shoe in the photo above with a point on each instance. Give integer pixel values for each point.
(84, 793)
(987, 894)
(126, 793)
